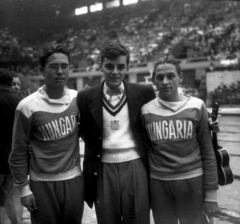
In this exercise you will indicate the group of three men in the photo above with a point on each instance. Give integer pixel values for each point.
(125, 144)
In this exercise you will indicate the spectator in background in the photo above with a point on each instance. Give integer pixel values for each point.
(16, 85)
(8, 104)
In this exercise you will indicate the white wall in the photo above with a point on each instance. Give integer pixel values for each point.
(214, 79)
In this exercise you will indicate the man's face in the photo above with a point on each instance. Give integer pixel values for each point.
(167, 81)
(114, 71)
(16, 85)
(56, 71)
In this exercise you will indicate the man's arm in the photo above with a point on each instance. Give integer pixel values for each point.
(209, 163)
(19, 158)
(147, 142)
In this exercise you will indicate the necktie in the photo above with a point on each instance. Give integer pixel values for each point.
(112, 92)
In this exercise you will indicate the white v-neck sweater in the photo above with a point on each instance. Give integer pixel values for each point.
(118, 145)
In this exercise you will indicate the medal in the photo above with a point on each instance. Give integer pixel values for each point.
(115, 125)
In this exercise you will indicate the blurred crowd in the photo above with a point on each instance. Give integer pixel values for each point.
(185, 30)
(203, 28)
(14, 48)
(228, 95)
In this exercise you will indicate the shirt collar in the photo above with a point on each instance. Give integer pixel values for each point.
(174, 106)
(65, 99)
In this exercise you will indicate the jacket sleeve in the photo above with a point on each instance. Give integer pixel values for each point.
(19, 157)
(208, 156)
(147, 141)
(149, 93)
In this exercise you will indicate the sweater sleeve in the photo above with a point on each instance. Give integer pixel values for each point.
(19, 157)
(207, 152)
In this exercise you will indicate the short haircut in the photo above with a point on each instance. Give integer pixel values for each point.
(5, 78)
(50, 49)
(112, 51)
(166, 60)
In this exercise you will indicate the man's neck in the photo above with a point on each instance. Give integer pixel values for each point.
(56, 93)
(180, 97)
(120, 86)
(170, 99)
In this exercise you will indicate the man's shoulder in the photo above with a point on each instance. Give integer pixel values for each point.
(27, 101)
(149, 106)
(73, 92)
(86, 92)
(146, 91)
(195, 102)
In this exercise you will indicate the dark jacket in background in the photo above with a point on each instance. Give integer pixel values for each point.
(8, 105)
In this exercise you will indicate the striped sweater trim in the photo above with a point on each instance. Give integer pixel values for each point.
(114, 110)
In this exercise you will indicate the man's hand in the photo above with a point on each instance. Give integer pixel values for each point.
(214, 125)
(211, 208)
(29, 202)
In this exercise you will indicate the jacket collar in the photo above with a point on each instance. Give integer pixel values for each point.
(135, 102)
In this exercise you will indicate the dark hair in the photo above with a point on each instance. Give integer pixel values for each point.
(48, 50)
(112, 51)
(5, 78)
(15, 75)
(164, 60)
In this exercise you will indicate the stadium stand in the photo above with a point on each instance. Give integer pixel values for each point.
(196, 31)
(185, 30)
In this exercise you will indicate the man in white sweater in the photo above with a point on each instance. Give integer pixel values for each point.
(116, 178)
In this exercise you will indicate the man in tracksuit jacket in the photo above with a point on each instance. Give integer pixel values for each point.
(47, 120)
(183, 170)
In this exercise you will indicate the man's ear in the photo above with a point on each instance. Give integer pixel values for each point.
(100, 65)
(154, 84)
(153, 79)
(181, 76)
